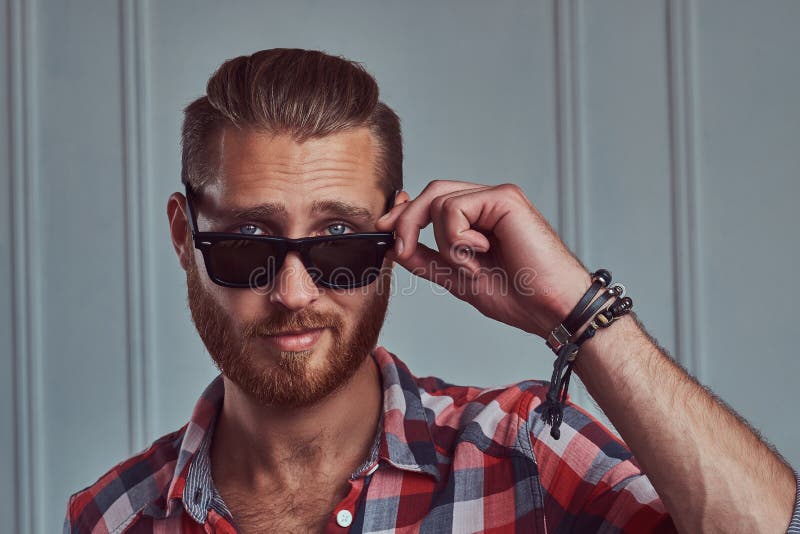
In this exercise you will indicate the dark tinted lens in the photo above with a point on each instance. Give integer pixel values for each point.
(347, 262)
(243, 261)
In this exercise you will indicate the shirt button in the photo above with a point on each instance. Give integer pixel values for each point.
(344, 518)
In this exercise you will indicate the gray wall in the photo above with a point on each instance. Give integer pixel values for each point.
(660, 138)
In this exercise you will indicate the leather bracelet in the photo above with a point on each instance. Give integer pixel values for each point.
(566, 344)
(600, 278)
(605, 318)
(562, 333)
(616, 290)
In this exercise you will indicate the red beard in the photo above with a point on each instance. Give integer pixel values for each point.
(289, 382)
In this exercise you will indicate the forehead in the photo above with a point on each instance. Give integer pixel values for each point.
(265, 166)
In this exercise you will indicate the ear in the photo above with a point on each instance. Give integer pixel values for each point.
(401, 198)
(179, 229)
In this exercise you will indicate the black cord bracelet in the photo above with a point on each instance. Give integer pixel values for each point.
(566, 330)
(600, 278)
(565, 344)
(614, 291)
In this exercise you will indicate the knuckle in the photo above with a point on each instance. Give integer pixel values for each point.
(438, 203)
(513, 190)
(439, 186)
(435, 185)
(449, 205)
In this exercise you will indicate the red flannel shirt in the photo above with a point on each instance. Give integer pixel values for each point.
(447, 459)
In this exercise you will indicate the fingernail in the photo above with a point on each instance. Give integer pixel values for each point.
(399, 246)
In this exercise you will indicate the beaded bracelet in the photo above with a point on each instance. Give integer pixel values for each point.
(565, 342)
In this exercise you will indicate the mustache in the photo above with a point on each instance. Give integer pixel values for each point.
(291, 321)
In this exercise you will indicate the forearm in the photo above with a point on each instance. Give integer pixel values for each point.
(712, 472)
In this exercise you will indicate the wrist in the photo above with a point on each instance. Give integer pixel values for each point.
(566, 299)
(600, 306)
(610, 352)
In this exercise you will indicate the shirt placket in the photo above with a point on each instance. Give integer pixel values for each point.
(341, 519)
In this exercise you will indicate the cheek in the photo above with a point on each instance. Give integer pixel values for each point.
(346, 304)
(241, 305)
(355, 305)
(199, 261)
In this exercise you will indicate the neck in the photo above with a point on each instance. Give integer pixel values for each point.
(258, 446)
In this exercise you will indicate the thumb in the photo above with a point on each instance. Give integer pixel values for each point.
(429, 264)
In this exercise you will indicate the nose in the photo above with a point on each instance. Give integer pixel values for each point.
(293, 287)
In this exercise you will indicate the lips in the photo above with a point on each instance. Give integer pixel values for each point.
(294, 341)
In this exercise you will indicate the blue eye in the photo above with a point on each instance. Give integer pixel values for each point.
(338, 228)
(249, 229)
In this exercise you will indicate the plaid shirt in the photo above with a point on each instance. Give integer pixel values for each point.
(446, 459)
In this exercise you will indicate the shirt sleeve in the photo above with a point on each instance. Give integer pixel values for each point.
(794, 524)
(590, 480)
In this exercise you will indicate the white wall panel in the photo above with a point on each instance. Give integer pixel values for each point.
(79, 226)
(24, 288)
(626, 164)
(8, 498)
(748, 79)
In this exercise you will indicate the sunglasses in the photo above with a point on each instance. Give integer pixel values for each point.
(344, 261)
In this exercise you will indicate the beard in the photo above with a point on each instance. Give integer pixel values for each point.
(291, 381)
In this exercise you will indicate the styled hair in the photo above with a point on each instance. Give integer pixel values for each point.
(303, 93)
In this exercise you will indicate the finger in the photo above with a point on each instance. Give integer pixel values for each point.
(386, 221)
(428, 264)
(477, 213)
(416, 216)
(455, 238)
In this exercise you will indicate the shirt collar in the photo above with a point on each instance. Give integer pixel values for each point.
(198, 431)
(405, 439)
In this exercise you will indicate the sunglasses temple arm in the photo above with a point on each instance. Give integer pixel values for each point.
(190, 210)
(391, 200)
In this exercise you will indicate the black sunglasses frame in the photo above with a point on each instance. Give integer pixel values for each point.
(205, 241)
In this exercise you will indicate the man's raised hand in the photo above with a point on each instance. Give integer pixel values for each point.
(495, 251)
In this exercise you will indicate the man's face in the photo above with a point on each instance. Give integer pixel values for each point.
(239, 326)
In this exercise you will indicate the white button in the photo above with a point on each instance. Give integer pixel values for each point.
(344, 518)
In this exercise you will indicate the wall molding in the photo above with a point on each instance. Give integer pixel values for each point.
(27, 260)
(136, 172)
(685, 189)
(569, 133)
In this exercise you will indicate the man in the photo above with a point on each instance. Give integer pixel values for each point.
(293, 217)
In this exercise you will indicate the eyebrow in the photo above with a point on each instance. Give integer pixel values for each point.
(270, 210)
(261, 212)
(340, 208)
